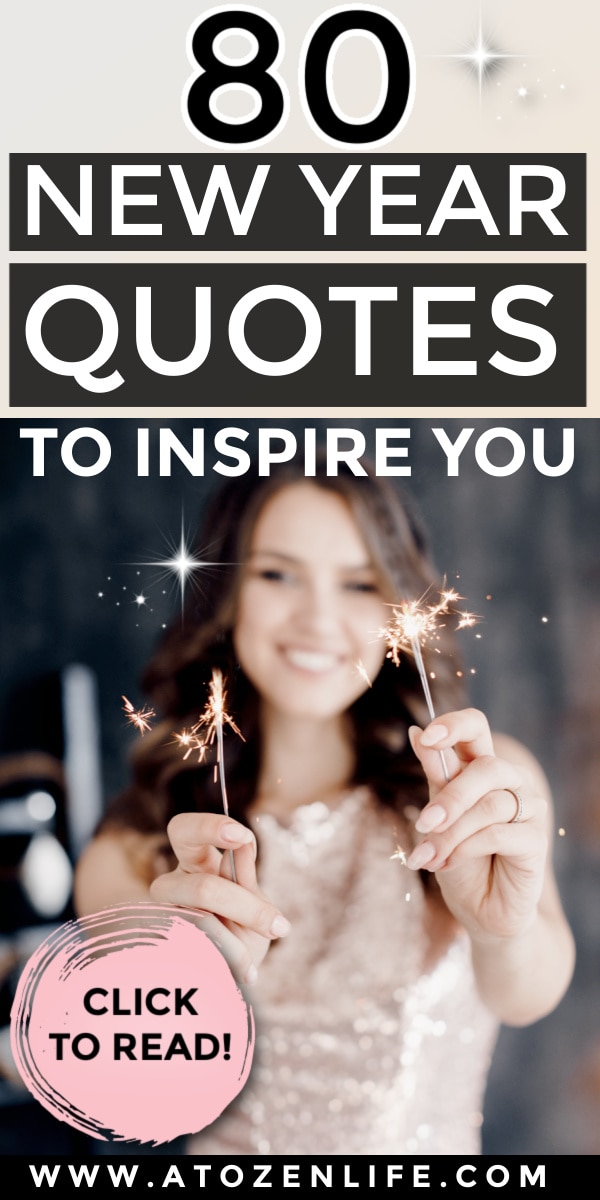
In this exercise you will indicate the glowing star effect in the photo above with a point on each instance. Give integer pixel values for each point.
(140, 718)
(181, 563)
(482, 58)
(140, 600)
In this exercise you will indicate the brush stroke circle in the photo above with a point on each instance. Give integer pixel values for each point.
(127, 1098)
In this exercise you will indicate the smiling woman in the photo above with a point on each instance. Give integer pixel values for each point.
(378, 1005)
(310, 607)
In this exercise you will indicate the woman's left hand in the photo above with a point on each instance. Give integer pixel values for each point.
(487, 849)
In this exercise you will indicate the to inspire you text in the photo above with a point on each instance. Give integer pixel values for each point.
(232, 450)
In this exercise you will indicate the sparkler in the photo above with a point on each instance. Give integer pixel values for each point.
(214, 717)
(140, 718)
(413, 623)
(212, 721)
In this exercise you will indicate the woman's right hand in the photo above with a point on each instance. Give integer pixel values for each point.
(238, 917)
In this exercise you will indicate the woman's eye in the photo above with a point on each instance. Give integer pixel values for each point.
(361, 585)
(274, 575)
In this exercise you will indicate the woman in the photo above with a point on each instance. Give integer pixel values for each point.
(377, 985)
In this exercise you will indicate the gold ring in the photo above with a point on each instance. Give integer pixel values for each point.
(519, 813)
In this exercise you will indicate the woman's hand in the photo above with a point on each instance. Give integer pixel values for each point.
(486, 836)
(237, 915)
(488, 855)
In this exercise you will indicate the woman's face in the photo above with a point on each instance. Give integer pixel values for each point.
(310, 606)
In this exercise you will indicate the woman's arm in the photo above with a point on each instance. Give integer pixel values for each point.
(117, 867)
(495, 872)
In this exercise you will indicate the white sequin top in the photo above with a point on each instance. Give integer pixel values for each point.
(361, 1047)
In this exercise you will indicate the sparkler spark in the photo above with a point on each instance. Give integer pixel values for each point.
(140, 718)
(190, 743)
(414, 623)
(215, 713)
(400, 854)
(360, 667)
(466, 620)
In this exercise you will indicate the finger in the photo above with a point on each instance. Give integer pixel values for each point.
(439, 766)
(524, 844)
(234, 950)
(191, 833)
(472, 786)
(494, 811)
(245, 867)
(450, 741)
(227, 900)
(466, 730)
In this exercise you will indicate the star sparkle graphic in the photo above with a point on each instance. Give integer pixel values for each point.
(180, 564)
(482, 57)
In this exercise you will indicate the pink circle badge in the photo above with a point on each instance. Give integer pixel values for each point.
(129, 1025)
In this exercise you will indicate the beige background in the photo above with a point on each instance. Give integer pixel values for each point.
(84, 77)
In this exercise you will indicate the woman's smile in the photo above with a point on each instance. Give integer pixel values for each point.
(316, 662)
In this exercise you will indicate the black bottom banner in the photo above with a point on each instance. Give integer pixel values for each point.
(447, 1175)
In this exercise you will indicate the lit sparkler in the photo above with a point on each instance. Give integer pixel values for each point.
(140, 718)
(413, 623)
(190, 740)
(212, 720)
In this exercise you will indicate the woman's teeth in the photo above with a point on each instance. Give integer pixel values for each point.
(312, 660)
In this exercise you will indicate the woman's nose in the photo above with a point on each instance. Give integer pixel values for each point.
(320, 609)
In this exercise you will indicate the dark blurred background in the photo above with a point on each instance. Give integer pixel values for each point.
(522, 549)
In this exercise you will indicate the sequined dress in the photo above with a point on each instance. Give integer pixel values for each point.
(362, 1046)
